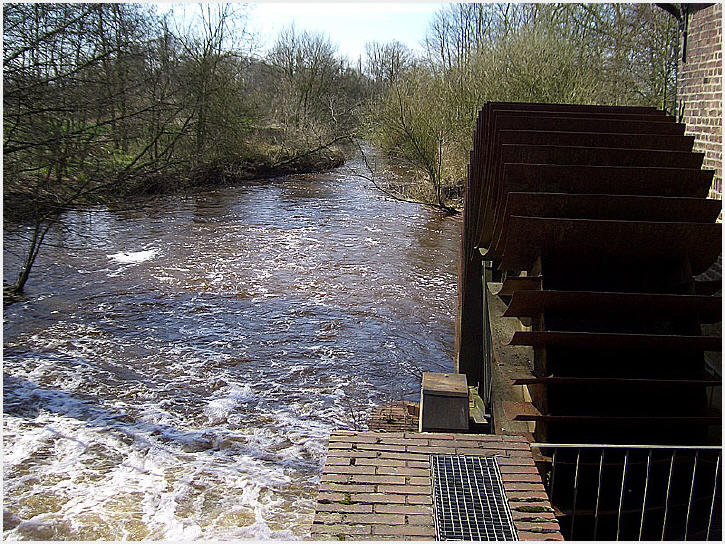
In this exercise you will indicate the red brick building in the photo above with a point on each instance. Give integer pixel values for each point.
(699, 86)
(699, 98)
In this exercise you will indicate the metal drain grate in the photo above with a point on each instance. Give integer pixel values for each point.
(469, 501)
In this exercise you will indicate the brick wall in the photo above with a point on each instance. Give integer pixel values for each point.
(700, 87)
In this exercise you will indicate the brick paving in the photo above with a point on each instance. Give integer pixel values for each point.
(395, 416)
(376, 485)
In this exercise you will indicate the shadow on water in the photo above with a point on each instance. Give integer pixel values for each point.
(25, 399)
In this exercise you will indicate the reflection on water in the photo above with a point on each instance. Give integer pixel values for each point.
(179, 366)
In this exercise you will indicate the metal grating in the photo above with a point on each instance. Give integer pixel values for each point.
(469, 501)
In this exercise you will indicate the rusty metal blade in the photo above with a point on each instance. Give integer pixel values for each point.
(633, 420)
(529, 237)
(559, 123)
(614, 180)
(598, 156)
(531, 303)
(647, 382)
(622, 140)
(599, 340)
(539, 106)
(521, 283)
(599, 206)
(611, 207)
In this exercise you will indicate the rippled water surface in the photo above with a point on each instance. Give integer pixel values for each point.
(177, 368)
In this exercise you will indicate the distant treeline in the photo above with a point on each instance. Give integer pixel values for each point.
(112, 95)
(103, 100)
(104, 93)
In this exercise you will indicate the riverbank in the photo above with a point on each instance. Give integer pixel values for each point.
(233, 171)
(24, 201)
(40, 202)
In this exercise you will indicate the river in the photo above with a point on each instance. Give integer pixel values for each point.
(177, 367)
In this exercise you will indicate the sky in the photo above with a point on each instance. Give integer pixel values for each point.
(348, 24)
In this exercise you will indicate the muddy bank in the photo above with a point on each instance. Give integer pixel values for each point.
(23, 203)
(237, 171)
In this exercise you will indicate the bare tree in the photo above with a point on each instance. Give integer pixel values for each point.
(580, 53)
(317, 96)
(307, 69)
(78, 101)
(212, 62)
(386, 63)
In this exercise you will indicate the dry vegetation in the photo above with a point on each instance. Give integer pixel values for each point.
(425, 106)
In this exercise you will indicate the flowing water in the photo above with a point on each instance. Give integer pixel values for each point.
(177, 368)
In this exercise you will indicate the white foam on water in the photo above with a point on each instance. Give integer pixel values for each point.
(260, 530)
(219, 409)
(24, 442)
(75, 442)
(162, 483)
(171, 418)
(133, 257)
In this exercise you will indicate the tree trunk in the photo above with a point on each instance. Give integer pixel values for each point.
(39, 232)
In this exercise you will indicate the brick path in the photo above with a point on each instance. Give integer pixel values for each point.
(376, 486)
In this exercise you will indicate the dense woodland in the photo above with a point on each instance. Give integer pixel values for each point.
(109, 100)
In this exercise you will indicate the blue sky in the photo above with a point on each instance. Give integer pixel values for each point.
(348, 24)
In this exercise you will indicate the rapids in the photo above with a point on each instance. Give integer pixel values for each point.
(178, 366)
